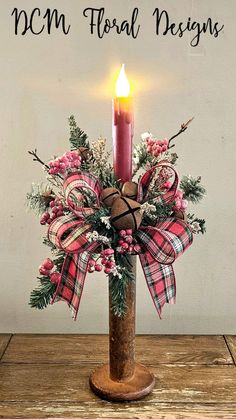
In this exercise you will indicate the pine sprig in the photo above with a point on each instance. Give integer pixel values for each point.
(118, 286)
(95, 219)
(140, 157)
(39, 197)
(107, 178)
(198, 224)
(41, 296)
(78, 138)
(162, 211)
(192, 189)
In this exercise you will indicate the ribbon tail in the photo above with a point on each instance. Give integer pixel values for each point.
(160, 280)
(71, 286)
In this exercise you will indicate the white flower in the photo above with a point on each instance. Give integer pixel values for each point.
(196, 227)
(94, 236)
(106, 221)
(136, 159)
(146, 135)
(148, 208)
(117, 271)
(103, 239)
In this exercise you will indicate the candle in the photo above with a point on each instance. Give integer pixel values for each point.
(122, 128)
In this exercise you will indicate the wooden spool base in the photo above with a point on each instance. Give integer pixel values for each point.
(139, 386)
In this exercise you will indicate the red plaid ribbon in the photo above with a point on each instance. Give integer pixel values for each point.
(161, 244)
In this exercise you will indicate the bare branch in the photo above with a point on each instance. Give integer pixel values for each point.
(36, 158)
(183, 128)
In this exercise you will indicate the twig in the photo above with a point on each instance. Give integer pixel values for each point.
(36, 158)
(182, 129)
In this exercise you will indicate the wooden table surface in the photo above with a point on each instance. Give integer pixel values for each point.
(46, 376)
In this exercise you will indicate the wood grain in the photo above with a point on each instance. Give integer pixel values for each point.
(57, 383)
(231, 342)
(46, 376)
(150, 350)
(4, 340)
(105, 410)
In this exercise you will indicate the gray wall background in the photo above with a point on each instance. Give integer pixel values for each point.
(45, 78)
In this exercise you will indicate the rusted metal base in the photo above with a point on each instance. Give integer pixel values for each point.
(137, 387)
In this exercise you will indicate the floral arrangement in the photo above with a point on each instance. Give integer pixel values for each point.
(95, 223)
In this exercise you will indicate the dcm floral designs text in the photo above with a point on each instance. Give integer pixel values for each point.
(101, 25)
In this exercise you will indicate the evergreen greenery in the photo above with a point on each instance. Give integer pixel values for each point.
(78, 138)
(107, 178)
(41, 296)
(39, 197)
(162, 211)
(192, 189)
(118, 286)
(97, 163)
(200, 221)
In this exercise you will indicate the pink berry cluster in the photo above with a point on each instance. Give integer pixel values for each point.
(107, 262)
(46, 268)
(69, 160)
(156, 147)
(56, 211)
(126, 242)
(180, 203)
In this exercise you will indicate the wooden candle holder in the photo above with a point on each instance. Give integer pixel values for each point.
(122, 378)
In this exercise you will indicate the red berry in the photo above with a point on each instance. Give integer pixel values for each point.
(122, 233)
(43, 271)
(137, 248)
(52, 204)
(55, 277)
(167, 185)
(107, 270)
(131, 248)
(48, 264)
(60, 214)
(42, 221)
(129, 232)
(46, 215)
(108, 252)
(104, 261)
(129, 239)
(110, 264)
(91, 269)
(49, 221)
(55, 210)
(125, 245)
(98, 267)
(179, 194)
(184, 204)
(92, 262)
(178, 204)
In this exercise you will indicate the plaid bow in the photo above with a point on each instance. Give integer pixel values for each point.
(68, 233)
(161, 244)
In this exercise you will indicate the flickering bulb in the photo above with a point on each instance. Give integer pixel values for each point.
(122, 84)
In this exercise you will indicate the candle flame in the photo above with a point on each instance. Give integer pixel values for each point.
(122, 84)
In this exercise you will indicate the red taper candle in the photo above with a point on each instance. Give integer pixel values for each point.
(122, 129)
